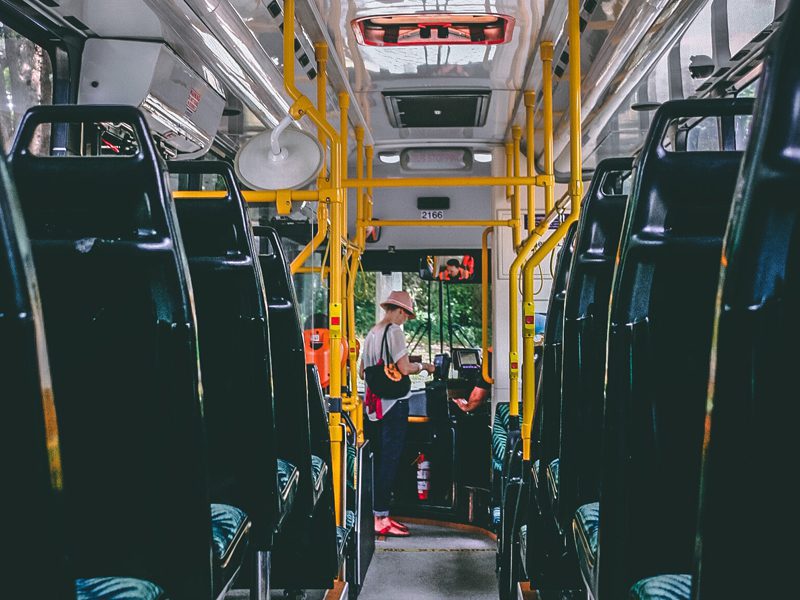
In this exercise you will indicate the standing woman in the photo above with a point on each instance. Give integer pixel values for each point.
(388, 418)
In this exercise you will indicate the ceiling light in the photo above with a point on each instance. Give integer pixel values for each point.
(389, 158)
(482, 156)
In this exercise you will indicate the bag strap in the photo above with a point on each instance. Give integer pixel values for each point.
(385, 345)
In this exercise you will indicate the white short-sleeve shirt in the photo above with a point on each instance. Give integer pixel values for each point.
(371, 354)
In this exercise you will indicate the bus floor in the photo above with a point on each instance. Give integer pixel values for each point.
(435, 562)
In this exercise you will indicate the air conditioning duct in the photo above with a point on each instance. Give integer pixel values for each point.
(183, 110)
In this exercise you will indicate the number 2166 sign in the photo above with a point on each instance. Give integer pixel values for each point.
(431, 215)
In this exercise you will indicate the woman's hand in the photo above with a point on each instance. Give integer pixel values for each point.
(428, 367)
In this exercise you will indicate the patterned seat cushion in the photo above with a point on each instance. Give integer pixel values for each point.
(288, 479)
(117, 588)
(585, 527)
(552, 480)
(663, 587)
(344, 533)
(496, 515)
(499, 436)
(318, 471)
(351, 467)
(229, 526)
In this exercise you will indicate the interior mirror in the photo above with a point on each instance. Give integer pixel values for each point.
(452, 268)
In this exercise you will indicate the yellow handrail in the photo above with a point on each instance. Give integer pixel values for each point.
(516, 233)
(530, 100)
(445, 223)
(485, 304)
(444, 182)
(316, 241)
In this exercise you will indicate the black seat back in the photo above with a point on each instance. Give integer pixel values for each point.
(117, 309)
(288, 364)
(548, 389)
(30, 450)
(748, 487)
(234, 348)
(659, 340)
(585, 330)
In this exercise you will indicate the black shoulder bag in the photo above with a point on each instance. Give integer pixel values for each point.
(384, 379)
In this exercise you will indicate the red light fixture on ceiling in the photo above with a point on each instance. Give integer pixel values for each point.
(433, 29)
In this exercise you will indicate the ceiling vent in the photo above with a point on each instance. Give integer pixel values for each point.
(437, 108)
(433, 29)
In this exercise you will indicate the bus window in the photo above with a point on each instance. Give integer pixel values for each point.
(27, 81)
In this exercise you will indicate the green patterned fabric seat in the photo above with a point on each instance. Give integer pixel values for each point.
(229, 527)
(343, 533)
(288, 480)
(663, 587)
(585, 527)
(499, 436)
(351, 467)
(523, 545)
(117, 588)
(318, 470)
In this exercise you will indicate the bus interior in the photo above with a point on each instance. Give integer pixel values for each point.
(204, 203)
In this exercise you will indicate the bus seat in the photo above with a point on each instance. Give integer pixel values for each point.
(663, 587)
(585, 329)
(749, 489)
(499, 437)
(29, 441)
(295, 403)
(229, 529)
(231, 310)
(117, 588)
(319, 470)
(121, 335)
(544, 544)
(548, 393)
(289, 366)
(660, 333)
(585, 528)
(288, 479)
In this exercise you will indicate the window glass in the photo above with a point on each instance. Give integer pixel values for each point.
(697, 51)
(704, 136)
(742, 125)
(746, 18)
(27, 81)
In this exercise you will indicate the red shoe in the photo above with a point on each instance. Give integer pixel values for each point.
(398, 525)
(392, 531)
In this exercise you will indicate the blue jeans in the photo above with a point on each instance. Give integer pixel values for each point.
(387, 436)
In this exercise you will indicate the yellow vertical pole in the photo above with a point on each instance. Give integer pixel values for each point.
(303, 106)
(516, 135)
(547, 108)
(528, 304)
(344, 105)
(485, 304)
(358, 411)
(530, 101)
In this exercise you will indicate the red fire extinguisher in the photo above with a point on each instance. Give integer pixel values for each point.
(423, 477)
